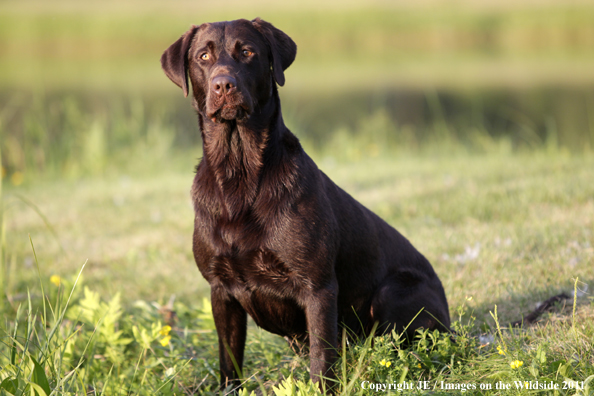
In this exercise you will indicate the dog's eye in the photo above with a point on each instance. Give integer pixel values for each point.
(205, 56)
(247, 53)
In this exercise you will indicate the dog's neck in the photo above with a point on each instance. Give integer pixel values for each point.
(235, 153)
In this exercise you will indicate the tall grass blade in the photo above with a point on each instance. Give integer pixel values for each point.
(235, 365)
(494, 316)
(344, 355)
(61, 318)
(45, 220)
(40, 281)
(107, 381)
(174, 375)
(3, 267)
(37, 390)
(574, 304)
(136, 369)
(359, 368)
(39, 376)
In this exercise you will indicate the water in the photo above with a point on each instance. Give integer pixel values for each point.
(60, 127)
(563, 116)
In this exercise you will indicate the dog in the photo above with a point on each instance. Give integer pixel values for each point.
(274, 237)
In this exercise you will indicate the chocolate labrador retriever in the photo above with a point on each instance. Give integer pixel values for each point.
(274, 237)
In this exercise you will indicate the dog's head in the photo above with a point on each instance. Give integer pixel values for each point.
(232, 66)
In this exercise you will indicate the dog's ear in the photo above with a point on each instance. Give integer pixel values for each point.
(282, 48)
(174, 60)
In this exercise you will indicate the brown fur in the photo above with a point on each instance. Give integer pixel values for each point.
(274, 236)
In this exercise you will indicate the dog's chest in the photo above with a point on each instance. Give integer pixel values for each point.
(259, 269)
(266, 287)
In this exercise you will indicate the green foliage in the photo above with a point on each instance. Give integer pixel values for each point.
(292, 387)
(530, 216)
(72, 338)
(74, 135)
(87, 344)
(102, 321)
(430, 356)
(26, 378)
(90, 345)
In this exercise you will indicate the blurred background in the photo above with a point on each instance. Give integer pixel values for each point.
(98, 146)
(81, 85)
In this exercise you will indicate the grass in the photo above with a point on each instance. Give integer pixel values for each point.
(502, 230)
(99, 293)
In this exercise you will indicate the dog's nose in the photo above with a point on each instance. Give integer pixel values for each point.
(223, 85)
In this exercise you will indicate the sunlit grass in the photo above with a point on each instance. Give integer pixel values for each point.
(77, 342)
(530, 211)
(501, 229)
(505, 216)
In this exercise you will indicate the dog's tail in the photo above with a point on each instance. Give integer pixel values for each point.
(543, 307)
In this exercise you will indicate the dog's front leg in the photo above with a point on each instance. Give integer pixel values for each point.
(322, 325)
(231, 323)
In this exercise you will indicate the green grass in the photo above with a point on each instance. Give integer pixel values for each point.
(96, 218)
(504, 230)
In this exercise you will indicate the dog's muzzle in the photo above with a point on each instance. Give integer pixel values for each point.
(225, 101)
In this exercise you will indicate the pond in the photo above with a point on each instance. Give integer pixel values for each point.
(56, 128)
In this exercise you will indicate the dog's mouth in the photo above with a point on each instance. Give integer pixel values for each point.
(228, 113)
(228, 109)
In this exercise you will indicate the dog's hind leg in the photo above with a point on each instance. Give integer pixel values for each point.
(406, 302)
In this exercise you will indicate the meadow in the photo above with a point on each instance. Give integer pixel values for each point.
(504, 231)
(99, 293)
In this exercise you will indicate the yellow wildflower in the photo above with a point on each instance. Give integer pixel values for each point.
(385, 363)
(501, 351)
(516, 364)
(165, 330)
(165, 340)
(419, 365)
(56, 280)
